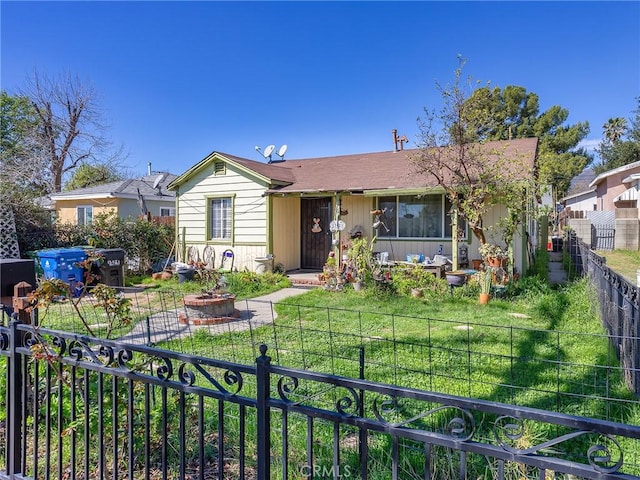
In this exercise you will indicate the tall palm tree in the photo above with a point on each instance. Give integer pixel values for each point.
(614, 129)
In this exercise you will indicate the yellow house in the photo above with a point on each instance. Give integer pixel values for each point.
(126, 198)
(300, 210)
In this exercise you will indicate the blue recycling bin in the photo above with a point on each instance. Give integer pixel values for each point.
(62, 263)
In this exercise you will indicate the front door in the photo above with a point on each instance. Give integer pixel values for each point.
(315, 237)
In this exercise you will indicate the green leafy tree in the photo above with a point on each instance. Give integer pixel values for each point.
(475, 175)
(86, 175)
(614, 129)
(512, 112)
(22, 180)
(621, 142)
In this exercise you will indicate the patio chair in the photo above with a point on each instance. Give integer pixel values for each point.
(226, 262)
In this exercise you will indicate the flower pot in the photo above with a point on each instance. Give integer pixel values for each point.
(484, 298)
(477, 262)
(357, 286)
(497, 262)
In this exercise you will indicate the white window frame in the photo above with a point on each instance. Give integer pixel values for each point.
(171, 211)
(393, 218)
(220, 218)
(85, 209)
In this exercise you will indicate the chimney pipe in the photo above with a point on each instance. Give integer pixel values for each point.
(149, 168)
(394, 132)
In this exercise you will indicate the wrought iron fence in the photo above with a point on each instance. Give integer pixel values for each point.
(619, 303)
(82, 407)
(520, 365)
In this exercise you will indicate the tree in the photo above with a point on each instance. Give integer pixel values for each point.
(21, 176)
(614, 129)
(474, 175)
(86, 175)
(621, 143)
(69, 130)
(513, 112)
(21, 179)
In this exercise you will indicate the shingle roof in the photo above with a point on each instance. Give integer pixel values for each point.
(124, 188)
(384, 170)
(361, 172)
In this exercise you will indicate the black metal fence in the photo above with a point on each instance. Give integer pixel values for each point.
(517, 365)
(81, 407)
(619, 303)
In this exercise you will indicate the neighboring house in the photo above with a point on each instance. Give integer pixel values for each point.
(615, 188)
(581, 197)
(126, 198)
(287, 208)
(605, 213)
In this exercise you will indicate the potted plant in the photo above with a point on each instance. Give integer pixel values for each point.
(493, 255)
(485, 279)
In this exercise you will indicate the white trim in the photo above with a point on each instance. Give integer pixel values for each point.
(606, 174)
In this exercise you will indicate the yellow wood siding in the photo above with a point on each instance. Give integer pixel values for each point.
(286, 231)
(249, 231)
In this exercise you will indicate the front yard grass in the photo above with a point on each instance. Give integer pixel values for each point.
(544, 348)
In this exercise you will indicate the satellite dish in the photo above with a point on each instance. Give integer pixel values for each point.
(269, 150)
(157, 181)
(282, 151)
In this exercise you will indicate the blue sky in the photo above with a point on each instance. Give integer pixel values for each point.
(178, 80)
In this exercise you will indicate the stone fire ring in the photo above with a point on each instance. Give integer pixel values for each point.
(208, 309)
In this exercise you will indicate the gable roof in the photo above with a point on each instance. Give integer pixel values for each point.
(608, 173)
(124, 189)
(366, 172)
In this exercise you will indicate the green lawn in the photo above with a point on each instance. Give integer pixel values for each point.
(543, 349)
(625, 262)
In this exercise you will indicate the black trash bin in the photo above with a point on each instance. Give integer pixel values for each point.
(556, 244)
(109, 266)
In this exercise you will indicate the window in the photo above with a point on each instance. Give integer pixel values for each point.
(84, 215)
(412, 216)
(167, 212)
(220, 218)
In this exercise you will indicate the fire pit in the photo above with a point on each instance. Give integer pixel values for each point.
(208, 309)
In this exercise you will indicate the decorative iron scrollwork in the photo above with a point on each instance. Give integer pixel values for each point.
(165, 372)
(509, 431)
(454, 421)
(346, 404)
(4, 341)
(187, 377)
(286, 387)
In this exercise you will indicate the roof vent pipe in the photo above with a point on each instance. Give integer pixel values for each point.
(397, 139)
(149, 168)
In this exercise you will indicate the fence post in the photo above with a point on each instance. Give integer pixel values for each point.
(263, 395)
(362, 434)
(14, 394)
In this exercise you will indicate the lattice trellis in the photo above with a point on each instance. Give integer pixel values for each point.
(8, 237)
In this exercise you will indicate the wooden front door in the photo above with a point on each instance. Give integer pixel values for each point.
(316, 237)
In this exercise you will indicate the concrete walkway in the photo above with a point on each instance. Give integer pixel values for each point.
(557, 273)
(254, 312)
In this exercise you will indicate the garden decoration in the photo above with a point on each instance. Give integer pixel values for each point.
(485, 280)
(493, 255)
